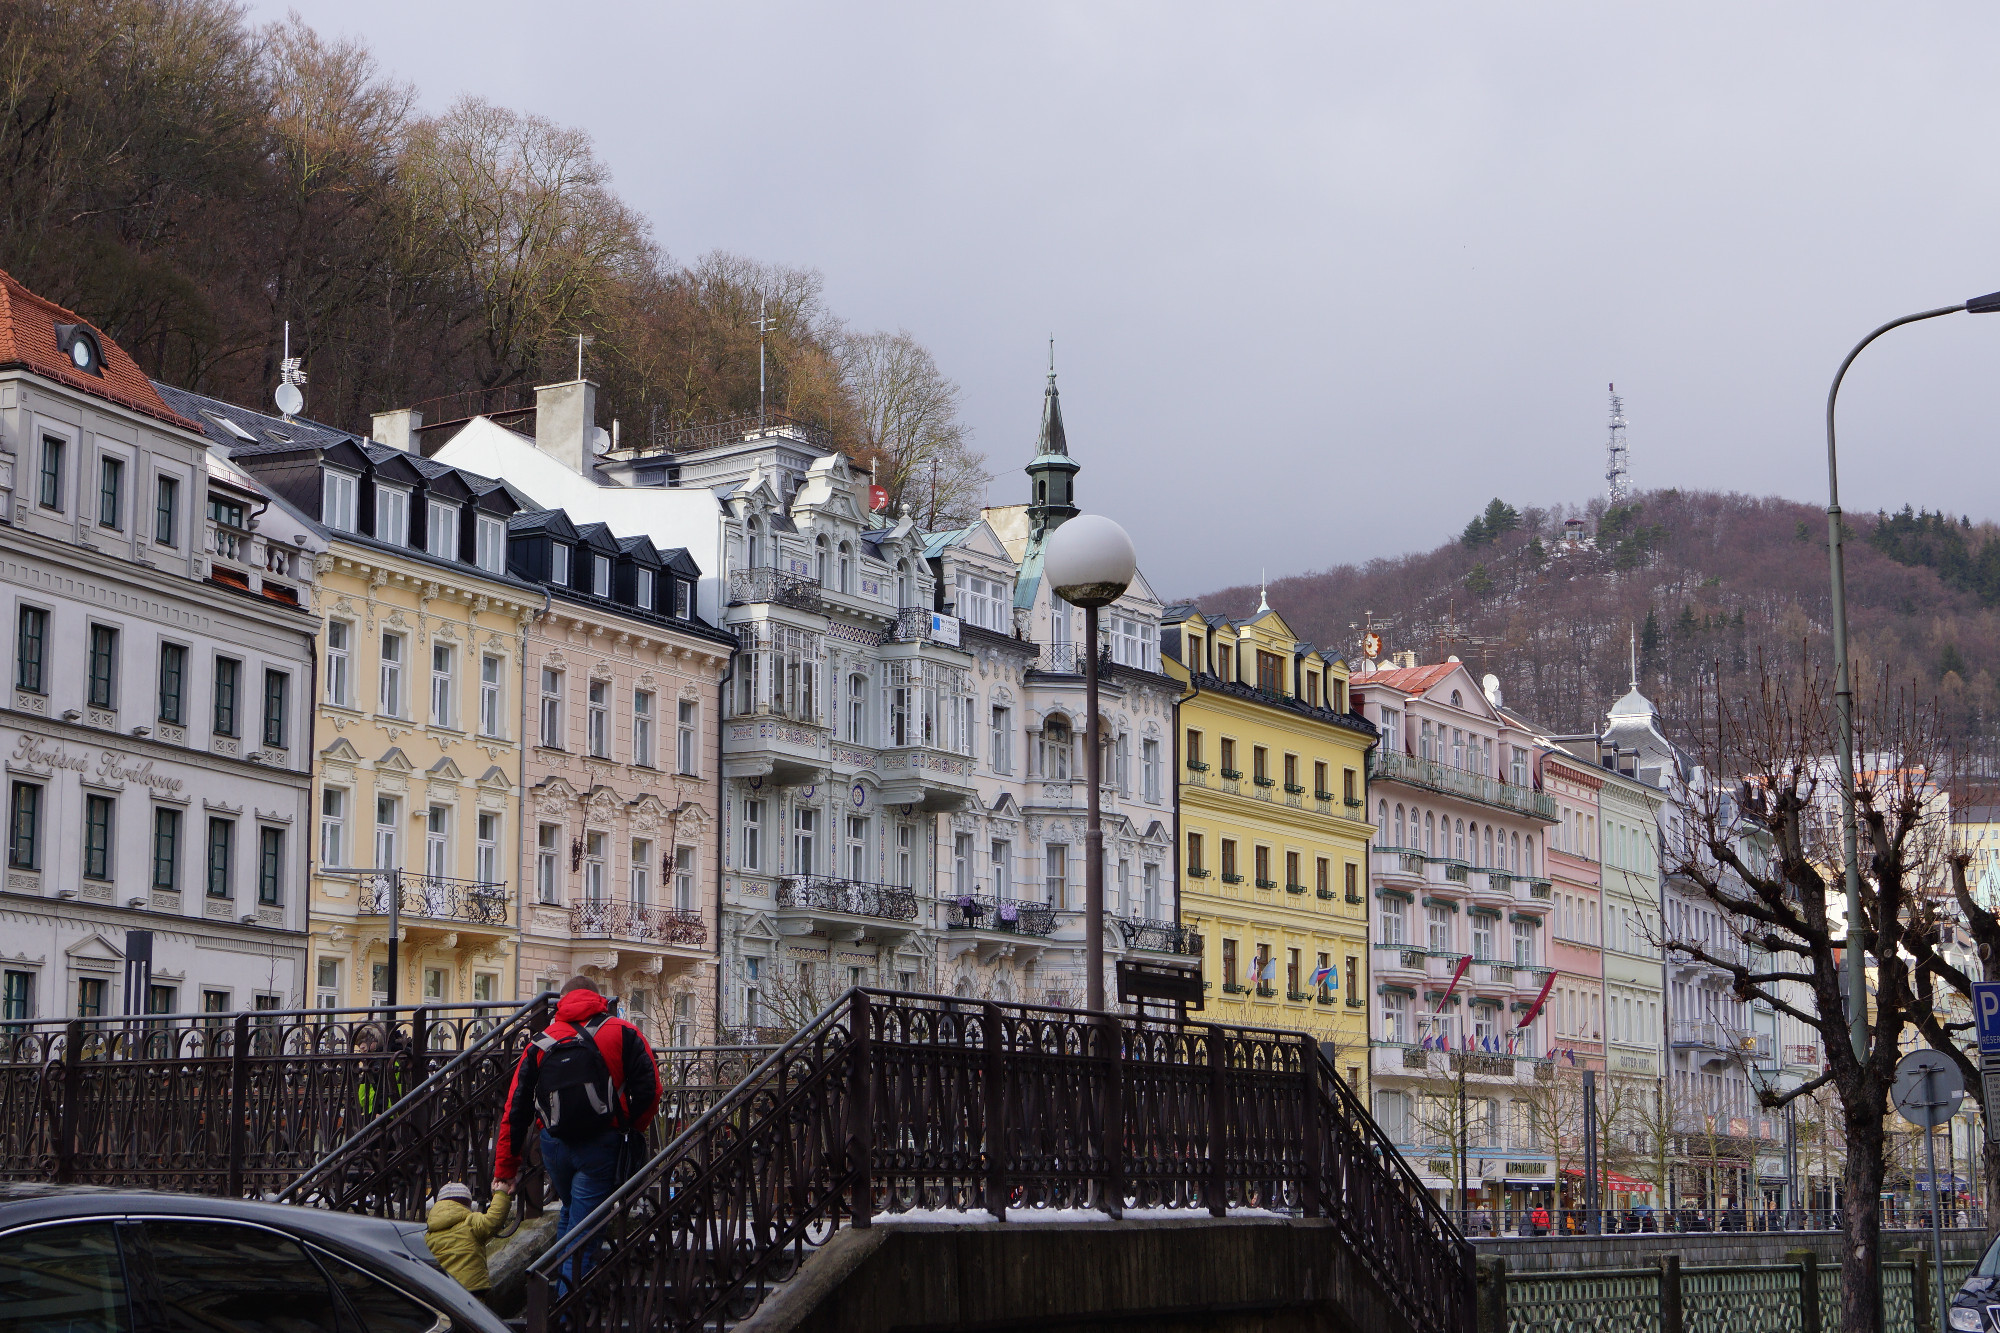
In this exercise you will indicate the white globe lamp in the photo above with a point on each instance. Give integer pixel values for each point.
(1089, 561)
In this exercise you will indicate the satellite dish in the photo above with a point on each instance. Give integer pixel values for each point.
(600, 440)
(290, 400)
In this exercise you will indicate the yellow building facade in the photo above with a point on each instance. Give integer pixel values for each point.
(1272, 772)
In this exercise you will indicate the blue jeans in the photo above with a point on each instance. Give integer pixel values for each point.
(584, 1175)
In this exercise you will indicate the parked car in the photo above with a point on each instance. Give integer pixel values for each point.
(1977, 1304)
(84, 1259)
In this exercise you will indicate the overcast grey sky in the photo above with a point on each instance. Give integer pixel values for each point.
(1325, 278)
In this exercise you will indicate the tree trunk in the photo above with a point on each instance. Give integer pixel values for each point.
(1989, 1170)
(1860, 1258)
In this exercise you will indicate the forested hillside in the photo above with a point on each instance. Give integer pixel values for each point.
(1707, 585)
(190, 183)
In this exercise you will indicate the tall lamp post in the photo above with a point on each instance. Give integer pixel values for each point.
(1843, 692)
(1090, 562)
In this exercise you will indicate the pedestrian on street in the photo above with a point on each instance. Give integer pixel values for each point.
(1482, 1222)
(591, 1082)
(457, 1235)
(1541, 1220)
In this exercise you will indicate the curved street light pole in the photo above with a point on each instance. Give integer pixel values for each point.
(1843, 692)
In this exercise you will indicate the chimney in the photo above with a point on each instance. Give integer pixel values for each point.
(565, 416)
(1406, 660)
(398, 429)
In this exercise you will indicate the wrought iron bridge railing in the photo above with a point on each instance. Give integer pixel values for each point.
(228, 1104)
(797, 591)
(888, 1103)
(435, 897)
(824, 893)
(604, 919)
(1159, 936)
(980, 911)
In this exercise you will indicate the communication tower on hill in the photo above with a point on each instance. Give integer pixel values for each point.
(1617, 486)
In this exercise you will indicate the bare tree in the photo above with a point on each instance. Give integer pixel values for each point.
(910, 431)
(1767, 773)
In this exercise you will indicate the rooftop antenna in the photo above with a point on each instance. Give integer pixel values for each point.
(583, 340)
(763, 330)
(1617, 485)
(291, 374)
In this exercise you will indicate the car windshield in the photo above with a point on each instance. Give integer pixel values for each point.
(1990, 1265)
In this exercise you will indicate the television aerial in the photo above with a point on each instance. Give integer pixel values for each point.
(291, 374)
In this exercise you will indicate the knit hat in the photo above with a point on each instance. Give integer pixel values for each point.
(456, 1190)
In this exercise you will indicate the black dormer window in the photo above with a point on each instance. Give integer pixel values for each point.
(559, 563)
(80, 348)
(683, 598)
(642, 591)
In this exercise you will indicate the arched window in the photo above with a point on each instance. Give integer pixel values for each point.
(1528, 866)
(1399, 828)
(846, 568)
(902, 584)
(1473, 841)
(1430, 834)
(1460, 855)
(1489, 844)
(822, 561)
(754, 558)
(857, 709)
(1515, 864)
(1055, 750)
(1457, 700)
(1382, 825)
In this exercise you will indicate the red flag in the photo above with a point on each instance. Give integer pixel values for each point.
(1540, 1000)
(1457, 973)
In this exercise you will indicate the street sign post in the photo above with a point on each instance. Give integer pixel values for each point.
(1927, 1092)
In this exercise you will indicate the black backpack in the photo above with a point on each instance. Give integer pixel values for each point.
(573, 1090)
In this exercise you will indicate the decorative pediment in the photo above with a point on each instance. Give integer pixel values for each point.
(95, 948)
(691, 813)
(445, 770)
(395, 760)
(495, 779)
(759, 927)
(341, 751)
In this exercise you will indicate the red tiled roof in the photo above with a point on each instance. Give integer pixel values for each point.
(28, 339)
(1410, 680)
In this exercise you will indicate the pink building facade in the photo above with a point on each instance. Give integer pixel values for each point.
(1575, 1016)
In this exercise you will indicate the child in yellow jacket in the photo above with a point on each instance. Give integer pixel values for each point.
(457, 1235)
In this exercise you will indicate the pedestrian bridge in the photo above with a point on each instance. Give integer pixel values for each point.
(960, 1125)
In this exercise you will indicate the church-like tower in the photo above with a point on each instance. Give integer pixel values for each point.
(1052, 500)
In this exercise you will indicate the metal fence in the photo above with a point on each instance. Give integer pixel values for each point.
(1580, 1223)
(890, 1103)
(1736, 1298)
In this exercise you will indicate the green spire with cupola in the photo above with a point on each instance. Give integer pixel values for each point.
(1052, 473)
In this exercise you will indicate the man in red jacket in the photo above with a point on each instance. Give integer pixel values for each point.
(590, 1081)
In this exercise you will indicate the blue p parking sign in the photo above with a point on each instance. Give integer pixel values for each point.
(1986, 1009)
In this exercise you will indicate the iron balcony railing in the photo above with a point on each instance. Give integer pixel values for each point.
(1721, 1037)
(435, 897)
(1159, 936)
(797, 591)
(683, 439)
(825, 893)
(604, 919)
(1448, 781)
(979, 911)
(1068, 659)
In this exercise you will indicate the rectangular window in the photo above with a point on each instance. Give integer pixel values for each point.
(486, 848)
(18, 1002)
(1348, 790)
(270, 866)
(277, 692)
(559, 563)
(332, 827)
(490, 543)
(441, 530)
(166, 850)
(166, 511)
(221, 838)
(392, 515)
(173, 683)
(31, 647)
(857, 847)
(1226, 753)
(552, 709)
(593, 866)
(337, 501)
(1149, 769)
(548, 863)
(683, 598)
(642, 588)
(961, 863)
(90, 993)
(1270, 672)
(437, 842)
(684, 879)
(1055, 875)
(1395, 920)
(390, 692)
(686, 756)
(1262, 860)
(443, 694)
(1002, 749)
(1194, 852)
(1003, 869)
(905, 856)
(598, 718)
(1149, 888)
(1229, 962)
(1292, 879)
(1524, 944)
(600, 575)
(805, 831)
(642, 728)
(753, 835)
(227, 673)
(339, 635)
(111, 493)
(388, 834)
(489, 695)
(103, 667)
(96, 837)
(52, 472)
(1260, 764)
(641, 873)
(1229, 858)
(215, 1001)
(1352, 881)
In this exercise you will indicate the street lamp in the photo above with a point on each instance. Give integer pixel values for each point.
(1843, 693)
(1090, 562)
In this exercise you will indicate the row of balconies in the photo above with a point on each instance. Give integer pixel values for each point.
(1449, 874)
(1701, 1034)
(1408, 1060)
(1431, 775)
